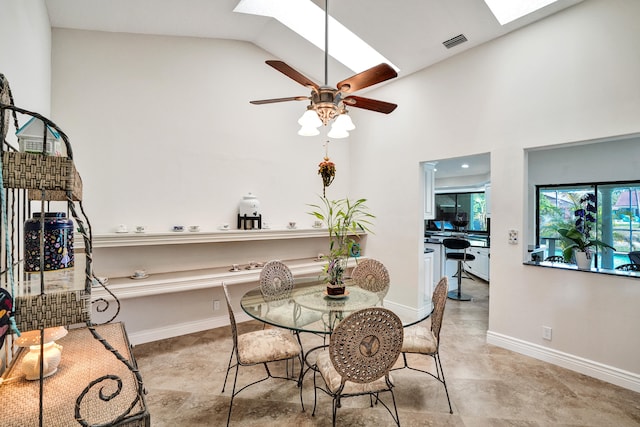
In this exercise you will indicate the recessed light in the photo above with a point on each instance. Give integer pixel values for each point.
(464, 166)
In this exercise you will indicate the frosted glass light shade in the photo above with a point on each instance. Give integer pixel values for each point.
(308, 131)
(310, 119)
(337, 133)
(344, 122)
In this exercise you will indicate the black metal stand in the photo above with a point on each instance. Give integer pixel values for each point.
(249, 222)
(457, 294)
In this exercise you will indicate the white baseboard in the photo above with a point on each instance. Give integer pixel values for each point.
(149, 335)
(610, 374)
(406, 312)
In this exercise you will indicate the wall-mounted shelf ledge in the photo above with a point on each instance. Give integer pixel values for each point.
(191, 280)
(186, 237)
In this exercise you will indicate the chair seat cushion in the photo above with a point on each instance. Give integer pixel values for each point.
(284, 315)
(461, 256)
(333, 379)
(419, 339)
(266, 345)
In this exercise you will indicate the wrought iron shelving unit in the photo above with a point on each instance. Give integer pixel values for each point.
(97, 383)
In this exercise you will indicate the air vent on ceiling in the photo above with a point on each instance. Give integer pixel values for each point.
(455, 41)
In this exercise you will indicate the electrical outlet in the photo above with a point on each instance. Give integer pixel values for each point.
(546, 333)
(216, 305)
(513, 237)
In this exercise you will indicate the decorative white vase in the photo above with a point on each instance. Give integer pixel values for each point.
(249, 206)
(583, 259)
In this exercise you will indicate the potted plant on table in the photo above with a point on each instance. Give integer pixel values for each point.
(344, 219)
(578, 241)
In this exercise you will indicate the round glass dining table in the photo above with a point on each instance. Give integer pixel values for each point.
(308, 308)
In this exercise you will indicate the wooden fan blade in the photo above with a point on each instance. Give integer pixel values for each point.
(369, 104)
(271, 101)
(370, 77)
(292, 74)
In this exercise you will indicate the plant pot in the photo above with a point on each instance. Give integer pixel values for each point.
(583, 260)
(335, 289)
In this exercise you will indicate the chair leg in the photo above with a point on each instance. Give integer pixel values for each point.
(395, 408)
(228, 368)
(444, 382)
(315, 393)
(233, 393)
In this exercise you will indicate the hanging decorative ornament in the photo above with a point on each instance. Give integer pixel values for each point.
(327, 170)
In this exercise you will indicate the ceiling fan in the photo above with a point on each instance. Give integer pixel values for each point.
(328, 103)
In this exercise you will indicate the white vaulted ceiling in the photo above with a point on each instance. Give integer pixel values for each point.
(408, 32)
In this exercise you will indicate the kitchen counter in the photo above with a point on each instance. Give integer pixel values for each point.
(476, 240)
(479, 248)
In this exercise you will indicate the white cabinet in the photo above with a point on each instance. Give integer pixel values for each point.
(438, 266)
(479, 266)
(428, 275)
(429, 191)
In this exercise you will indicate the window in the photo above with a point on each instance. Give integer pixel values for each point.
(617, 218)
(455, 206)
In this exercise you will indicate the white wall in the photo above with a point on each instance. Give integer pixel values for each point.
(571, 77)
(164, 134)
(25, 54)
(158, 117)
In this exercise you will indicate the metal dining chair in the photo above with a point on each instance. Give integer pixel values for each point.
(420, 339)
(362, 349)
(259, 348)
(372, 275)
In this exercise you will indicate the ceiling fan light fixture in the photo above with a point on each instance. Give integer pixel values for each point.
(308, 131)
(343, 121)
(310, 119)
(337, 133)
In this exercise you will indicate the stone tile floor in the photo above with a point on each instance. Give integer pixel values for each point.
(489, 386)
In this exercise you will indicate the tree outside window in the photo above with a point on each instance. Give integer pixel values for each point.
(618, 218)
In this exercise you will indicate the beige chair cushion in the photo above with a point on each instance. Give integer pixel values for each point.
(266, 345)
(333, 379)
(284, 316)
(419, 339)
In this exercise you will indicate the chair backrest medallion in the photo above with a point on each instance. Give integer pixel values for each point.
(366, 344)
(276, 281)
(372, 275)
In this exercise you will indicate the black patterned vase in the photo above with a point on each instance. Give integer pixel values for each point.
(58, 242)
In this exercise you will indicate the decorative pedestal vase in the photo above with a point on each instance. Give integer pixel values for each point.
(583, 260)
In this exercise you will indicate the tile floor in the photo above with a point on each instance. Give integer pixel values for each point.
(489, 386)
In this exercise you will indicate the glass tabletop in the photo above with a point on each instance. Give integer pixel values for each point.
(308, 308)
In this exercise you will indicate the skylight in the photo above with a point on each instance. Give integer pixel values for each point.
(307, 19)
(506, 11)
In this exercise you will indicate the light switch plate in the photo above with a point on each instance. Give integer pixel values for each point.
(513, 237)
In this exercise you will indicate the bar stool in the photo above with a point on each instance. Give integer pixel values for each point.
(458, 244)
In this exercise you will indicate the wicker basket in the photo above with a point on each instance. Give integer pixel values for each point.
(36, 172)
(52, 309)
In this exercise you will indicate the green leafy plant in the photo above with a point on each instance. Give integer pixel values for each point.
(344, 219)
(578, 237)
